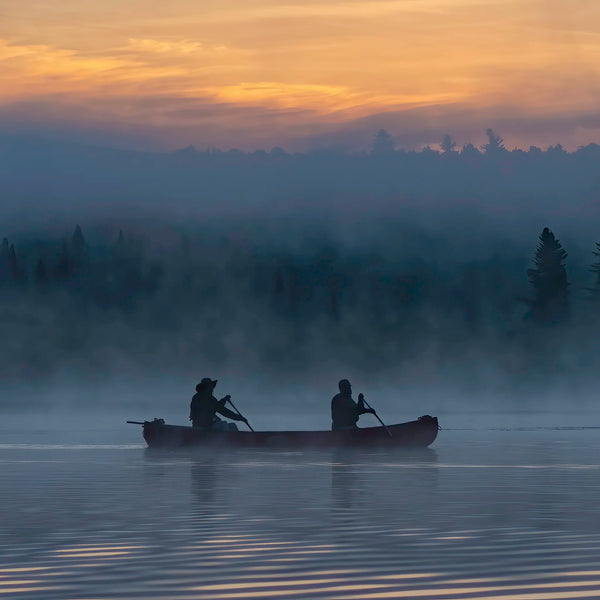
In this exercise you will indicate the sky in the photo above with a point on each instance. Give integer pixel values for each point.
(261, 73)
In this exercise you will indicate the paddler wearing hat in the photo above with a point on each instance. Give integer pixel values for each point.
(204, 408)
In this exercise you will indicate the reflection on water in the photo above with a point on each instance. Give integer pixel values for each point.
(352, 472)
(500, 515)
(204, 481)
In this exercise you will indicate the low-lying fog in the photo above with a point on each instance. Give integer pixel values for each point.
(412, 274)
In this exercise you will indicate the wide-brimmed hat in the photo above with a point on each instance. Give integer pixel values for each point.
(207, 381)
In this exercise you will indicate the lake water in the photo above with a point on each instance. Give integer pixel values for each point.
(482, 514)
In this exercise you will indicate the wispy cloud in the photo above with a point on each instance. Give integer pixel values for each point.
(304, 65)
(182, 47)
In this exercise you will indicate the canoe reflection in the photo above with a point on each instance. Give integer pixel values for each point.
(288, 484)
(204, 470)
(359, 478)
(204, 480)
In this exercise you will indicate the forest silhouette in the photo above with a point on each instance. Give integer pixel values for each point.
(218, 298)
(418, 265)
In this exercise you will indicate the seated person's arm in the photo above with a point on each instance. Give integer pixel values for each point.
(361, 408)
(222, 410)
(229, 414)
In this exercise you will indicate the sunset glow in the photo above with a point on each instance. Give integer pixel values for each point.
(257, 73)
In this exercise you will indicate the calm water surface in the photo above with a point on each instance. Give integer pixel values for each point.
(482, 514)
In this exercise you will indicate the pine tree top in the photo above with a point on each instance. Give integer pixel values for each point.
(549, 252)
(78, 238)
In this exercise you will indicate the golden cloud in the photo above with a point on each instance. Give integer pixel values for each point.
(316, 59)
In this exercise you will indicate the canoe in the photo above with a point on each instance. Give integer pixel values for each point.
(416, 434)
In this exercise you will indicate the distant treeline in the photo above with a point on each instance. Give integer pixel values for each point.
(491, 178)
(220, 298)
(119, 275)
(113, 276)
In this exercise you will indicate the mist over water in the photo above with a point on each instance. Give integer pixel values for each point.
(410, 273)
(281, 273)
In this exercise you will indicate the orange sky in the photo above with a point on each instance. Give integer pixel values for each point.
(257, 73)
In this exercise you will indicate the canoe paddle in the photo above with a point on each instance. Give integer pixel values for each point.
(375, 415)
(239, 413)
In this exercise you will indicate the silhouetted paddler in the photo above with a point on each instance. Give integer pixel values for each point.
(344, 410)
(204, 407)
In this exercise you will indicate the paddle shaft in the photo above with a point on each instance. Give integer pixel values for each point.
(239, 413)
(136, 422)
(377, 417)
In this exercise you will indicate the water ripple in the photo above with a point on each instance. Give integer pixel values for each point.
(117, 522)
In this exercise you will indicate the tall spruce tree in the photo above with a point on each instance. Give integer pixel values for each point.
(78, 245)
(549, 280)
(16, 270)
(595, 268)
(495, 143)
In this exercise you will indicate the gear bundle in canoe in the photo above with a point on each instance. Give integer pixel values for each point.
(420, 433)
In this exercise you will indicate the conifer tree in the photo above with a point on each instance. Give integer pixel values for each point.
(78, 252)
(78, 246)
(549, 280)
(470, 153)
(16, 272)
(448, 145)
(12, 262)
(383, 144)
(495, 143)
(595, 268)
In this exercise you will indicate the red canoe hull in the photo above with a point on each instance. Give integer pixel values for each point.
(415, 434)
